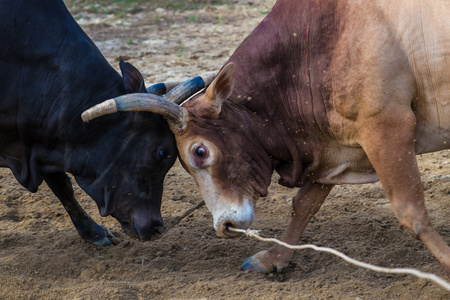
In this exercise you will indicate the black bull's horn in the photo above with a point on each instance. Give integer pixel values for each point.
(174, 113)
(168, 105)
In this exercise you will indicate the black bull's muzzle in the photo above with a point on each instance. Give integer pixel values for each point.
(146, 232)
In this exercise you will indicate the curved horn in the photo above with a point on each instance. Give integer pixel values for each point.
(183, 91)
(175, 114)
(162, 88)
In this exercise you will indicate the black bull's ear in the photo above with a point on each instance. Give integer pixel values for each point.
(132, 78)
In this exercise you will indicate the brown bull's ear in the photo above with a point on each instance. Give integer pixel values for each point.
(219, 90)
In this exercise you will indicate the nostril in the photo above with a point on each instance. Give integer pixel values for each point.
(237, 217)
(228, 225)
(229, 229)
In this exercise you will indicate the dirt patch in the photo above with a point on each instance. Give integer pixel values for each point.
(42, 257)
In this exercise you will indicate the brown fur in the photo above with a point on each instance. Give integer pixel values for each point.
(327, 92)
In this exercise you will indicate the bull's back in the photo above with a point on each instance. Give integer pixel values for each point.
(51, 72)
(50, 67)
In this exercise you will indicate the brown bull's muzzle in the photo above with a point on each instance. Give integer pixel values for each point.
(233, 215)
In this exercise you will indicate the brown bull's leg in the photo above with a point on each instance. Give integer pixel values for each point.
(306, 204)
(390, 148)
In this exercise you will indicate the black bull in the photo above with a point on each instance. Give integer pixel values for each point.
(50, 72)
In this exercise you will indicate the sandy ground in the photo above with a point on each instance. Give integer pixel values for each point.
(42, 257)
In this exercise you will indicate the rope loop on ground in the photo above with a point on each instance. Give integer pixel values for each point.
(255, 234)
(428, 276)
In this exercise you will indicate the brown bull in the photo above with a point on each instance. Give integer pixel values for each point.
(324, 92)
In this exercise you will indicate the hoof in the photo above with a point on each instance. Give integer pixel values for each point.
(99, 236)
(255, 265)
(105, 242)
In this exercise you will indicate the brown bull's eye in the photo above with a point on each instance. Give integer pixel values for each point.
(201, 152)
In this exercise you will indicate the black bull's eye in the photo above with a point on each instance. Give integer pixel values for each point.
(201, 152)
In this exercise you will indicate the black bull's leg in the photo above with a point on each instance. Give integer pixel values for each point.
(87, 228)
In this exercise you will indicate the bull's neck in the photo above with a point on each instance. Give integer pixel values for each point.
(286, 145)
(282, 85)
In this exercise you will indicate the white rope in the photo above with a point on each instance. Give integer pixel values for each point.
(429, 276)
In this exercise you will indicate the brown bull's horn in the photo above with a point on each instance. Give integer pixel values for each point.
(162, 88)
(183, 91)
(175, 114)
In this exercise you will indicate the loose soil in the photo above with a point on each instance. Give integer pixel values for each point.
(42, 257)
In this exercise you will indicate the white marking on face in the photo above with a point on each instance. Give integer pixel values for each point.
(200, 158)
(235, 212)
